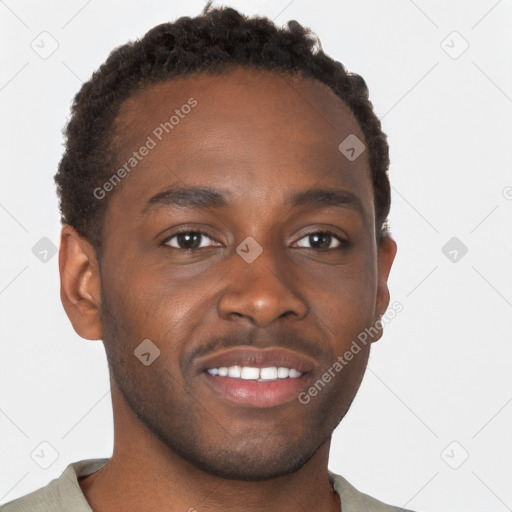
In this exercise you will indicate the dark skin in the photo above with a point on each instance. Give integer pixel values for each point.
(258, 138)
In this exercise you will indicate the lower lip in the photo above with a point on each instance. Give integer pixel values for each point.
(253, 393)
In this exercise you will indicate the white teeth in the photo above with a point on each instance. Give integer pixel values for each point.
(282, 373)
(268, 373)
(253, 373)
(234, 371)
(249, 373)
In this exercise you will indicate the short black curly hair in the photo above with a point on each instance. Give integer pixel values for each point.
(215, 41)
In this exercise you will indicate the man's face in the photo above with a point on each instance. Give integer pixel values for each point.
(259, 140)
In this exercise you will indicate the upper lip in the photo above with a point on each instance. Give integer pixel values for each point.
(257, 358)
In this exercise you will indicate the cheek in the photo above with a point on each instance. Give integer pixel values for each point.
(156, 305)
(343, 299)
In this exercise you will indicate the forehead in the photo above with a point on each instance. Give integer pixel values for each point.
(259, 131)
(260, 97)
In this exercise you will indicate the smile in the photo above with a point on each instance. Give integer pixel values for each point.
(268, 373)
(253, 377)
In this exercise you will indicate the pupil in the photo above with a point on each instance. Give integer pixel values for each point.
(320, 241)
(189, 240)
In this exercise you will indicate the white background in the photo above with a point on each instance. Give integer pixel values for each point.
(441, 373)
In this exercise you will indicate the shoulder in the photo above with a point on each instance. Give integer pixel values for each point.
(61, 494)
(353, 500)
(41, 500)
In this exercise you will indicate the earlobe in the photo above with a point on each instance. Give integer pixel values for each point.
(386, 252)
(80, 284)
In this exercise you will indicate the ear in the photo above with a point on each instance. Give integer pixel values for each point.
(80, 284)
(386, 251)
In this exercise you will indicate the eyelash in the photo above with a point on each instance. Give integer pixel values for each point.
(343, 243)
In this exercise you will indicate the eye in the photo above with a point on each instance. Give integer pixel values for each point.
(188, 240)
(322, 240)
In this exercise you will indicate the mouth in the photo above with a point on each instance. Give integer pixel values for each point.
(257, 378)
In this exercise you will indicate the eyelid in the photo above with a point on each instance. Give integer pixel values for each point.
(342, 241)
(165, 242)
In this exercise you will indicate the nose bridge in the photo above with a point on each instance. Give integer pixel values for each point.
(261, 289)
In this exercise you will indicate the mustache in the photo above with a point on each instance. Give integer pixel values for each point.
(284, 339)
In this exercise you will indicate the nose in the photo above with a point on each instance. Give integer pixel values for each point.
(262, 291)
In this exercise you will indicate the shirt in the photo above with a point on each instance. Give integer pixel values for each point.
(63, 494)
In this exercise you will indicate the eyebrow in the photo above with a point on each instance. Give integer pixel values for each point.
(206, 197)
(188, 197)
(325, 197)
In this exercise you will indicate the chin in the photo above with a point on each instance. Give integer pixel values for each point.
(248, 470)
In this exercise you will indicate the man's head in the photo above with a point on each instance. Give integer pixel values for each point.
(214, 42)
(241, 236)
